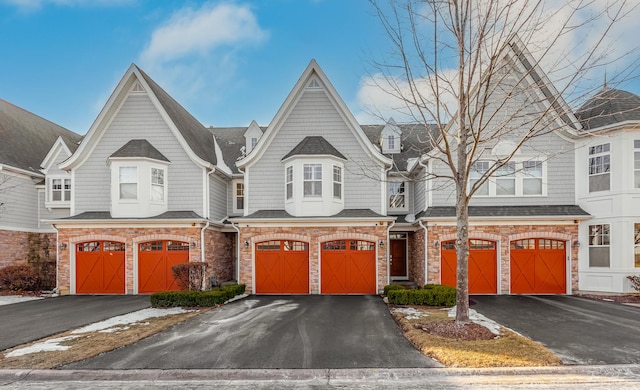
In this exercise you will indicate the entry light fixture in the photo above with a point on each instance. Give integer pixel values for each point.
(576, 244)
(246, 244)
(63, 246)
(436, 243)
(193, 245)
(381, 244)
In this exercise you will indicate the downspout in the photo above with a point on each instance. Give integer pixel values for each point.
(389, 253)
(202, 258)
(426, 256)
(237, 252)
(57, 289)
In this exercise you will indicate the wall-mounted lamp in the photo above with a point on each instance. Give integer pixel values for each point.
(381, 244)
(193, 245)
(246, 244)
(436, 243)
(576, 244)
(63, 246)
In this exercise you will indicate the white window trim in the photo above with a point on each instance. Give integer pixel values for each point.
(323, 205)
(137, 183)
(608, 245)
(50, 203)
(636, 149)
(164, 185)
(405, 194)
(289, 181)
(594, 156)
(235, 183)
(313, 179)
(143, 205)
(340, 182)
(519, 178)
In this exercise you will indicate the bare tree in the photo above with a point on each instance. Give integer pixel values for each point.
(5, 186)
(472, 69)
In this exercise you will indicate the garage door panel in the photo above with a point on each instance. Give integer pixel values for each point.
(482, 266)
(100, 268)
(538, 266)
(348, 267)
(282, 267)
(155, 265)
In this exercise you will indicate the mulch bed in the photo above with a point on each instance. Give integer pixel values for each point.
(626, 298)
(452, 330)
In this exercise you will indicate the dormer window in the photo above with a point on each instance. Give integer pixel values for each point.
(390, 138)
(252, 136)
(58, 192)
(254, 142)
(391, 142)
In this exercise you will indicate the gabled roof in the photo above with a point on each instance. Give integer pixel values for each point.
(230, 140)
(26, 138)
(193, 137)
(609, 106)
(314, 145)
(313, 69)
(139, 148)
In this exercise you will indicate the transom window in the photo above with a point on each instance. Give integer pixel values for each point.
(60, 190)
(337, 182)
(599, 168)
(157, 184)
(396, 192)
(599, 243)
(128, 179)
(312, 180)
(268, 246)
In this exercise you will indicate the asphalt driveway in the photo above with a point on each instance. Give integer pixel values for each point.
(32, 320)
(578, 330)
(310, 331)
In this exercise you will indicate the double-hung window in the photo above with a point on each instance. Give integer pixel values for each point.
(157, 184)
(514, 178)
(477, 170)
(312, 180)
(532, 177)
(128, 181)
(506, 179)
(599, 243)
(636, 244)
(337, 182)
(599, 168)
(60, 190)
(289, 182)
(636, 164)
(239, 195)
(396, 195)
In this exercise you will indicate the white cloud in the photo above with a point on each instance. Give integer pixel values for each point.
(34, 5)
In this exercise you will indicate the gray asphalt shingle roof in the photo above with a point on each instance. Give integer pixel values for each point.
(139, 148)
(198, 137)
(106, 215)
(505, 211)
(607, 107)
(26, 138)
(415, 141)
(230, 140)
(314, 145)
(282, 214)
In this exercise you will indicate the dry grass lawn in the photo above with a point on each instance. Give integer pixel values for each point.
(506, 350)
(91, 344)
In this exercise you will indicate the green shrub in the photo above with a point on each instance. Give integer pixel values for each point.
(391, 287)
(19, 278)
(196, 298)
(436, 295)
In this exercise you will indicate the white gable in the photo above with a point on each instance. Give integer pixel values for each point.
(252, 136)
(390, 137)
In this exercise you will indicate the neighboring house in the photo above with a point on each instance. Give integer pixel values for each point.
(30, 149)
(316, 203)
(608, 187)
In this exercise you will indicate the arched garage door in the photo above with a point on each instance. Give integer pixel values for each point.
(483, 266)
(155, 262)
(100, 267)
(538, 266)
(348, 267)
(282, 267)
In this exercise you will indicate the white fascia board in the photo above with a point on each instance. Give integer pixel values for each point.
(626, 125)
(518, 220)
(221, 166)
(126, 223)
(10, 170)
(288, 105)
(25, 230)
(311, 221)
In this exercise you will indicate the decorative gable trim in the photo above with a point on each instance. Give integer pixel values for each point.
(58, 146)
(314, 72)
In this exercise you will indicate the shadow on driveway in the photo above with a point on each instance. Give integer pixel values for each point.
(32, 320)
(309, 331)
(578, 330)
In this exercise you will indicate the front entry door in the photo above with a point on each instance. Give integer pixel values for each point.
(398, 258)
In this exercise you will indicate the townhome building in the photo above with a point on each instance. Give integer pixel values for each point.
(317, 203)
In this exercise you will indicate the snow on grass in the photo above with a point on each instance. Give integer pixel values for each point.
(479, 319)
(111, 325)
(9, 299)
(410, 313)
(45, 346)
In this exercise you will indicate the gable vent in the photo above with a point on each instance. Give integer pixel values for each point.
(137, 87)
(314, 84)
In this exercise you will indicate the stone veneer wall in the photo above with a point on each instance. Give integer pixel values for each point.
(314, 236)
(416, 257)
(216, 248)
(503, 234)
(219, 252)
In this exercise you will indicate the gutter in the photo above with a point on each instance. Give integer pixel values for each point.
(237, 252)
(57, 289)
(202, 259)
(388, 252)
(426, 249)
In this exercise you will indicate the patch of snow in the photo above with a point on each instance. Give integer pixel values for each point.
(9, 299)
(131, 318)
(479, 319)
(410, 313)
(45, 346)
(237, 298)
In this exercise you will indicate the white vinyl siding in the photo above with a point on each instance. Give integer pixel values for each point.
(217, 198)
(314, 114)
(138, 119)
(18, 197)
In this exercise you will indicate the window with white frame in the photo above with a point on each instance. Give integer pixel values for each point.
(532, 177)
(254, 142)
(312, 183)
(505, 178)
(157, 184)
(396, 191)
(636, 164)
(128, 182)
(477, 170)
(60, 190)
(391, 142)
(599, 168)
(599, 243)
(515, 178)
(239, 196)
(337, 182)
(636, 245)
(289, 182)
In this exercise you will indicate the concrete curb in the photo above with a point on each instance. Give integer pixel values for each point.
(564, 374)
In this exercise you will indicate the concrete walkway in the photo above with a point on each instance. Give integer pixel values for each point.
(592, 377)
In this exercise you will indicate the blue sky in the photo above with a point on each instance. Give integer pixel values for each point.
(226, 62)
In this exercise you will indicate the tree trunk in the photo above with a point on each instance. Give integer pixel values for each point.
(462, 254)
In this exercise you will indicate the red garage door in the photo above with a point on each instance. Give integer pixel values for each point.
(538, 266)
(348, 267)
(282, 267)
(483, 266)
(155, 262)
(100, 268)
